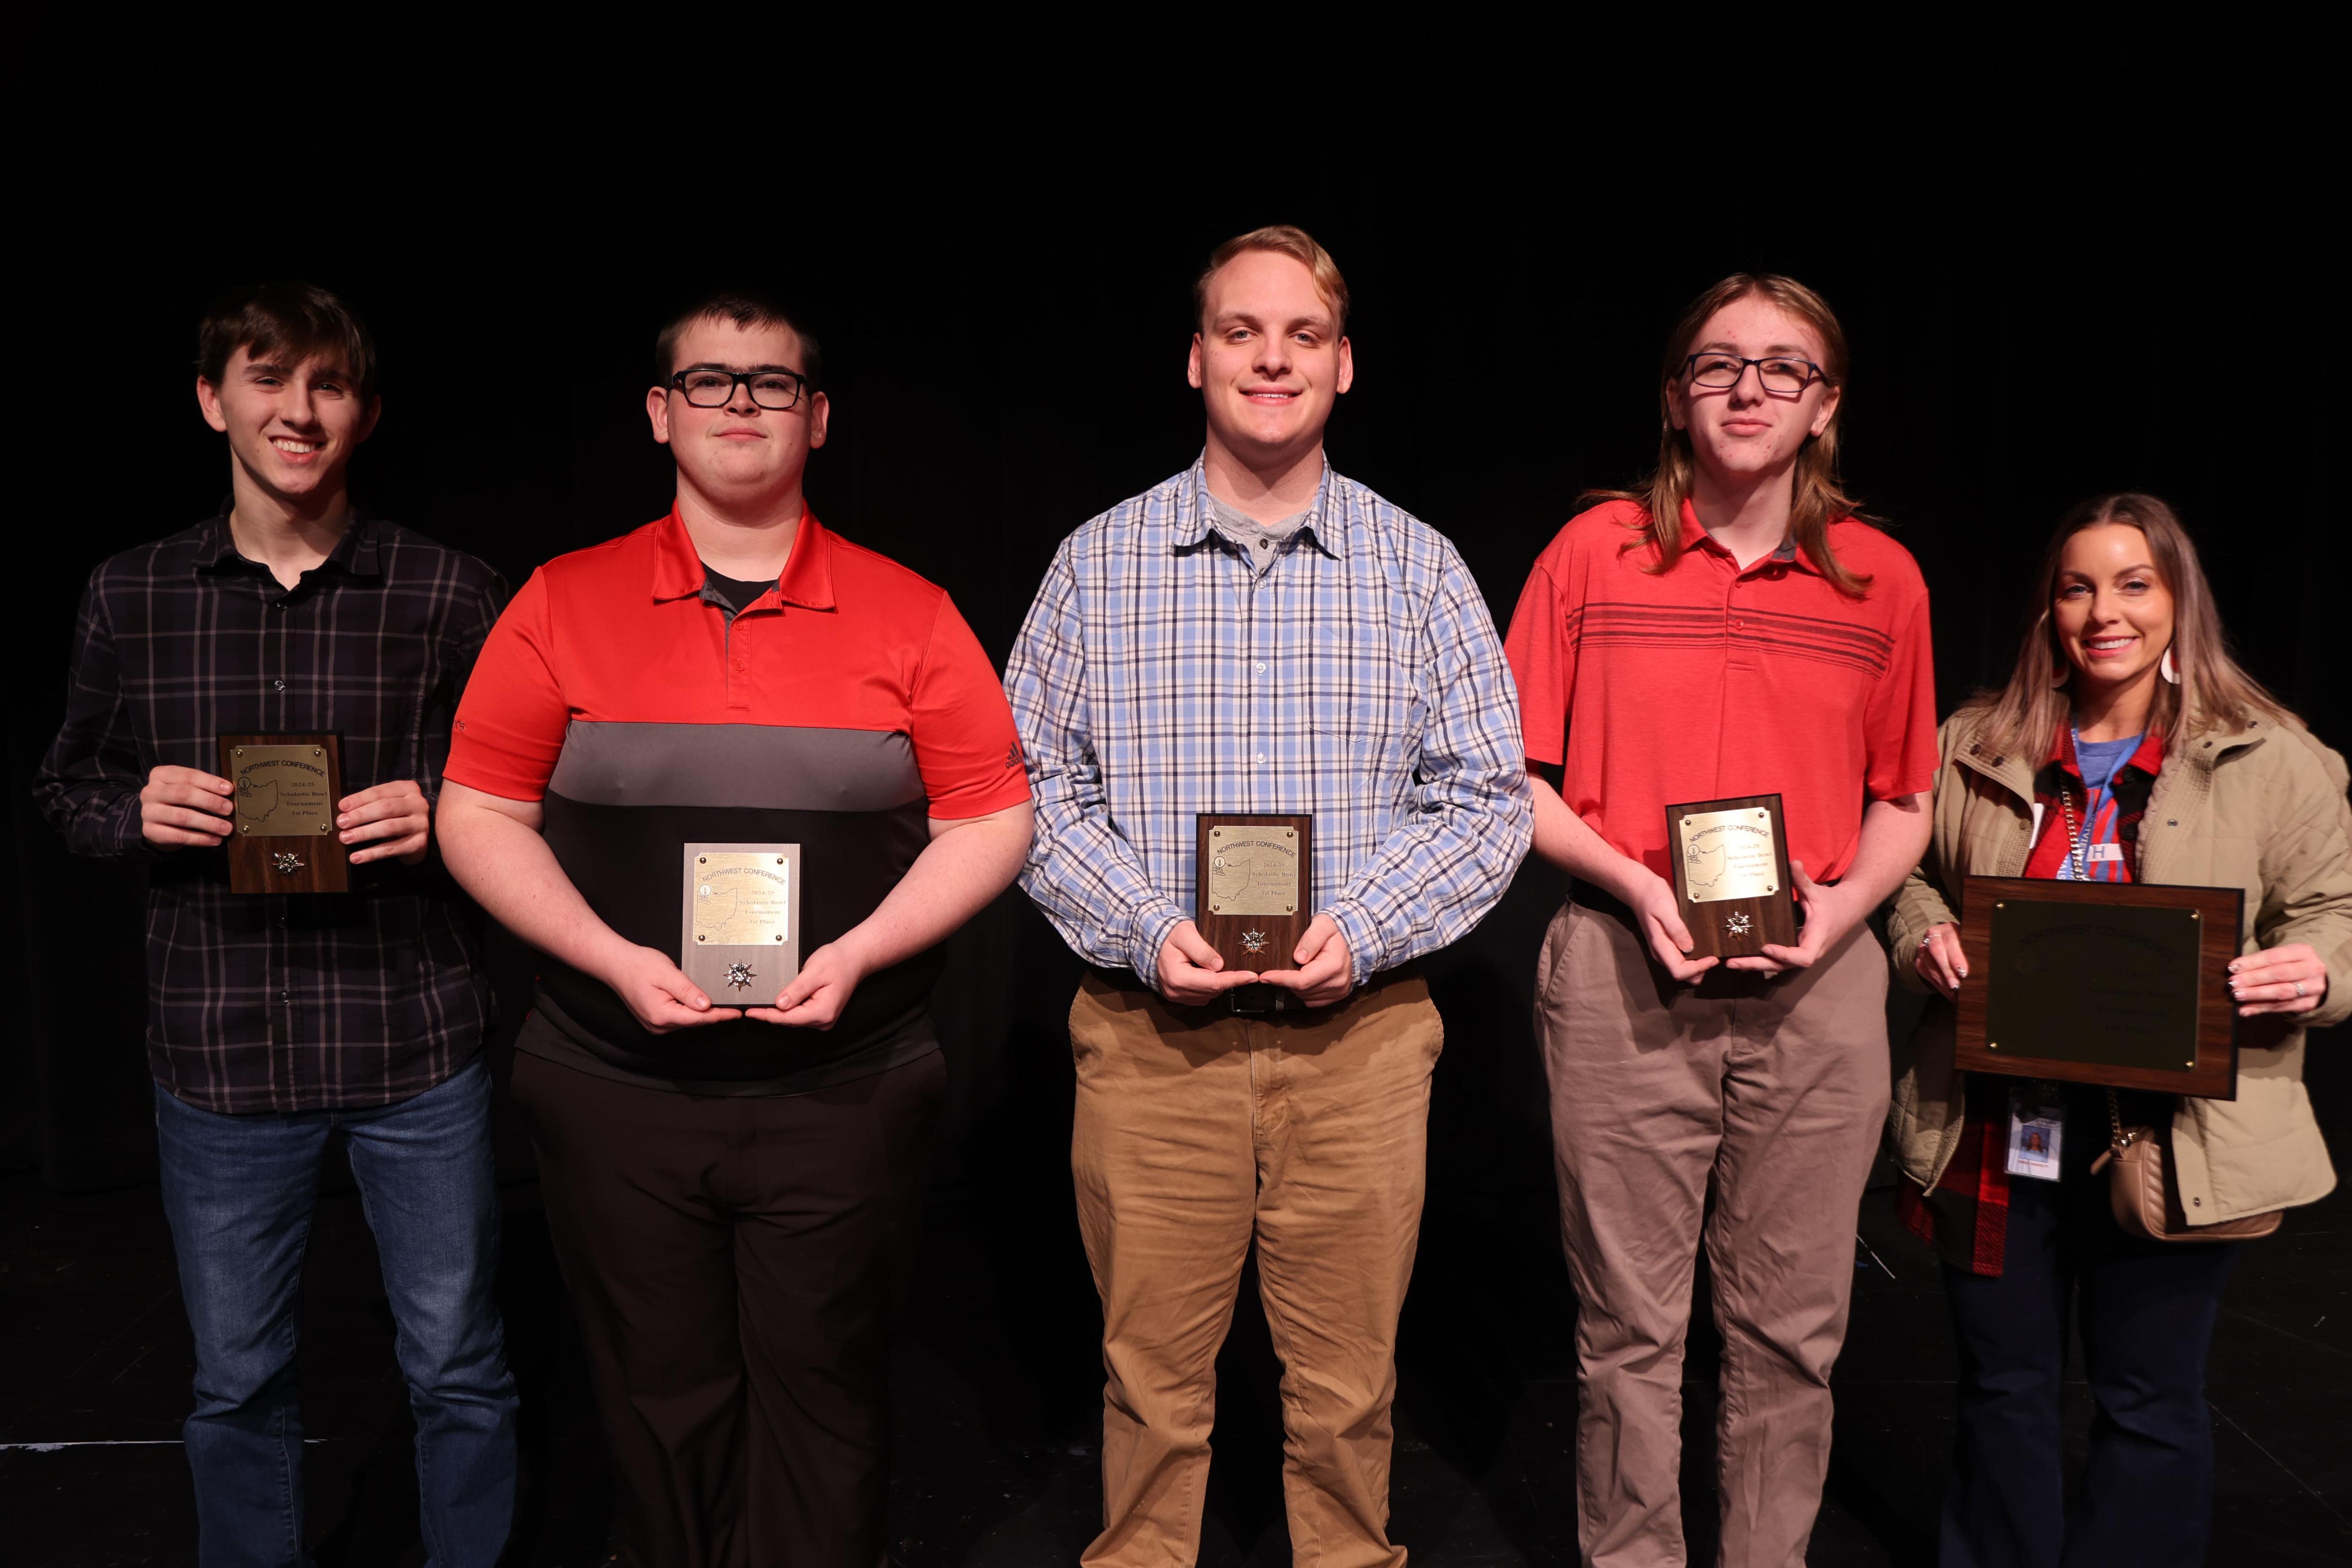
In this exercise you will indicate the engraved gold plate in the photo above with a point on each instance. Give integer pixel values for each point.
(743, 899)
(739, 929)
(1729, 855)
(1253, 870)
(282, 792)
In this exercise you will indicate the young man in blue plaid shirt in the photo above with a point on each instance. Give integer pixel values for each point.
(1260, 635)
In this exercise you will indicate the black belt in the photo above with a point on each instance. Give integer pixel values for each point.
(1604, 903)
(1256, 1000)
(1600, 902)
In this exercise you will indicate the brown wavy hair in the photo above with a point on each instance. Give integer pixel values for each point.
(2022, 718)
(296, 320)
(1818, 500)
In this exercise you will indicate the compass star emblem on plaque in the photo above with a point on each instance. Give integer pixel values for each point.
(1253, 942)
(1737, 922)
(286, 862)
(740, 975)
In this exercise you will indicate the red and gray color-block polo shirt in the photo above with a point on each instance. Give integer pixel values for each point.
(1708, 680)
(837, 711)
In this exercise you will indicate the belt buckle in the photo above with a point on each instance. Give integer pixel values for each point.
(1254, 1000)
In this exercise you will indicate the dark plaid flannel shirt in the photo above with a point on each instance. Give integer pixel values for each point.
(272, 1002)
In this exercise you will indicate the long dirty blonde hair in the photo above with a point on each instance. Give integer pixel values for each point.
(2022, 718)
(1818, 500)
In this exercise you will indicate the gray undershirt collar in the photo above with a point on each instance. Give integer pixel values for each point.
(1259, 542)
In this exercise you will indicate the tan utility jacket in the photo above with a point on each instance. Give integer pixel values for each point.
(2260, 807)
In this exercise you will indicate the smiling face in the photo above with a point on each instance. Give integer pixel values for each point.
(2112, 609)
(1745, 431)
(1268, 359)
(291, 427)
(740, 456)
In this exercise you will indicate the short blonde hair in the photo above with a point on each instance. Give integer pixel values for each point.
(1283, 240)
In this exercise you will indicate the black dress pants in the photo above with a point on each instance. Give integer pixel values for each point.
(2146, 1312)
(737, 1265)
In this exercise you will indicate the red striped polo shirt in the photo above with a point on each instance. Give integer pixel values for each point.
(1705, 681)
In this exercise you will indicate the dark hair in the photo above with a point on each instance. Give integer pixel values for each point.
(746, 308)
(300, 320)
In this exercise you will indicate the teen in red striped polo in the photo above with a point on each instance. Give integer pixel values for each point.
(1730, 629)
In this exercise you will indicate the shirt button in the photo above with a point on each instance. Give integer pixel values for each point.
(1260, 756)
(1259, 667)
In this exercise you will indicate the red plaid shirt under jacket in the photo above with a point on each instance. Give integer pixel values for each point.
(1966, 1217)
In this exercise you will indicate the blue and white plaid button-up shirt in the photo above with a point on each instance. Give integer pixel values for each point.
(1356, 676)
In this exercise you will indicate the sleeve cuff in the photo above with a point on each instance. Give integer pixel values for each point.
(1006, 793)
(1363, 937)
(1153, 927)
(129, 835)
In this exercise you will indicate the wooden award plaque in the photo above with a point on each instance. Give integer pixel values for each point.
(1252, 893)
(740, 936)
(2119, 983)
(1730, 860)
(286, 787)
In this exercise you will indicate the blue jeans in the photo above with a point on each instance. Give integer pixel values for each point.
(238, 1192)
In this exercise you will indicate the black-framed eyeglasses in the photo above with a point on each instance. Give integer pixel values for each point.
(1721, 372)
(707, 387)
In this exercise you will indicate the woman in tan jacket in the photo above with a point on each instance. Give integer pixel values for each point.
(2127, 746)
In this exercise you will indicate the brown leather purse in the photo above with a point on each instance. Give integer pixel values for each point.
(2140, 1189)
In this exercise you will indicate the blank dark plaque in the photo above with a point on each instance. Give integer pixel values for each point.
(1253, 887)
(285, 788)
(1730, 860)
(739, 929)
(2120, 983)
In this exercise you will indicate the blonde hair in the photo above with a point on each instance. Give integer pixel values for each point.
(1818, 500)
(2023, 717)
(1283, 240)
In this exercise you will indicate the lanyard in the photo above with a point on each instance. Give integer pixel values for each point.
(2078, 845)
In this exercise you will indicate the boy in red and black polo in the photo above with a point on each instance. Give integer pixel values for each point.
(734, 1191)
(1731, 630)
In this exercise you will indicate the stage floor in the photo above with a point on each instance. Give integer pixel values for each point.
(998, 1388)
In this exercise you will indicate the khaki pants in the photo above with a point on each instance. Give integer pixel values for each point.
(1197, 1131)
(1771, 1093)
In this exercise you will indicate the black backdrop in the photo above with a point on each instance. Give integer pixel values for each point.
(2075, 251)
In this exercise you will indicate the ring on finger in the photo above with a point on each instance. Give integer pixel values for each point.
(2298, 988)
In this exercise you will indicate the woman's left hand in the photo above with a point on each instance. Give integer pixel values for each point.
(2285, 979)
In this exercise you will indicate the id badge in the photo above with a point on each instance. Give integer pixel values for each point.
(2035, 1128)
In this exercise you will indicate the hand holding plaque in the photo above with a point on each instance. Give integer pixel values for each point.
(1730, 863)
(1252, 887)
(285, 791)
(2120, 983)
